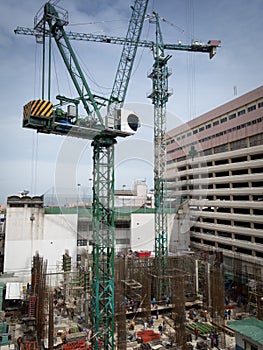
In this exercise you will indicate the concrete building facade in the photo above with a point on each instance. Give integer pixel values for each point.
(29, 229)
(216, 161)
(50, 231)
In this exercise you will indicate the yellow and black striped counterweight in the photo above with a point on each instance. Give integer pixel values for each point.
(38, 108)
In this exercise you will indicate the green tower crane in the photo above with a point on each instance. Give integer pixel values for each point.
(46, 118)
(159, 96)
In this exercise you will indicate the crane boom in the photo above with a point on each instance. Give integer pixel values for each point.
(209, 47)
(129, 49)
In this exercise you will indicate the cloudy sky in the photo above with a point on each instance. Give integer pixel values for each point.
(35, 162)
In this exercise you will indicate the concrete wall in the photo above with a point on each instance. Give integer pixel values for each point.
(49, 235)
(142, 232)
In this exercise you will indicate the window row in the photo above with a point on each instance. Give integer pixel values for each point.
(235, 145)
(218, 121)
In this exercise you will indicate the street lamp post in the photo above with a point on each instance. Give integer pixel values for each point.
(78, 185)
(123, 187)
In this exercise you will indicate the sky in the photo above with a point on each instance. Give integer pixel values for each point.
(49, 163)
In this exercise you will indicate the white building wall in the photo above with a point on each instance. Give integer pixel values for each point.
(49, 235)
(60, 234)
(21, 236)
(142, 232)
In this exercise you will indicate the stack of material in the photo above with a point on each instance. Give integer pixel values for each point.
(79, 345)
(148, 335)
(76, 340)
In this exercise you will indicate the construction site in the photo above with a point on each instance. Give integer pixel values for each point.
(193, 314)
(136, 299)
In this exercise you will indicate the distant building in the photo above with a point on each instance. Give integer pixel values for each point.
(50, 230)
(138, 197)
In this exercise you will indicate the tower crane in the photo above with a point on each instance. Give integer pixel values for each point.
(45, 117)
(159, 95)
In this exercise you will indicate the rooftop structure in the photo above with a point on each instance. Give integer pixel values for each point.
(249, 333)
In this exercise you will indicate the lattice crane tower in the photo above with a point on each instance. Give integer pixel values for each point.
(43, 116)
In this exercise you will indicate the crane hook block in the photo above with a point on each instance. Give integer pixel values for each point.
(38, 108)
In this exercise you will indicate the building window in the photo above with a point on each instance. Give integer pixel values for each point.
(208, 126)
(256, 140)
(122, 241)
(223, 120)
(122, 224)
(195, 131)
(207, 152)
(82, 242)
(216, 123)
(84, 226)
(239, 113)
(232, 116)
(221, 148)
(201, 129)
(260, 104)
(238, 144)
(251, 108)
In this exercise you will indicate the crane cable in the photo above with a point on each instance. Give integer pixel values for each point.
(190, 64)
(34, 151)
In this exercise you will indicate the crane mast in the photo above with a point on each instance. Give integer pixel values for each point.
(40, 115)
(159, 96)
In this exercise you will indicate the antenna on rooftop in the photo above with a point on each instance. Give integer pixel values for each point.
(23, 193)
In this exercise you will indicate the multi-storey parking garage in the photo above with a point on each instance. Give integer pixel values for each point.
(216, 161)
